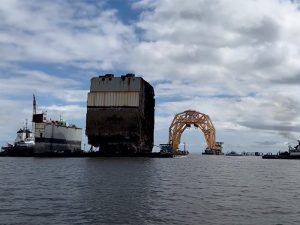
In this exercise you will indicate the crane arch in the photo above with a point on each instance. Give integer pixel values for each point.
(202, 121)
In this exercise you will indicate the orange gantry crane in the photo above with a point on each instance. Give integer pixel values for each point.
(202, 121)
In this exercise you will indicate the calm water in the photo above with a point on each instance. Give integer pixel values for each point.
(192, 190)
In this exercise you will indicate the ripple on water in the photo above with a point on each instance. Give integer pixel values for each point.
(191, 190)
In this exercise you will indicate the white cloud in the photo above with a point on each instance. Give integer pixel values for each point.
(24, 83)
(66, 112)
(62, 32)
(13, 116)
(226, 40)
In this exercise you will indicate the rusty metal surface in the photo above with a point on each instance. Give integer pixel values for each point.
(113, 99)
(116, 127)
(120, 129)
(112, 84)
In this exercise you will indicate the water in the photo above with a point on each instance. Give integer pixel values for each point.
(192, 190)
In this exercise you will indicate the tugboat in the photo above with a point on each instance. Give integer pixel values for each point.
(233, 153)
(295, 151)
(23, 144)
(292, 153)
(24, 139)
(207, 151)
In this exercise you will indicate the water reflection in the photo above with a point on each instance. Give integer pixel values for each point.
(118, 189)
(191, 190)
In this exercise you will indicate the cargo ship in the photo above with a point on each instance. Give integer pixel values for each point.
(120, 115)
(54, 136)
(47, 136)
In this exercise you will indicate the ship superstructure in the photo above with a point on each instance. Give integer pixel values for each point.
(22, 146)
(295, 151)
(24, 139)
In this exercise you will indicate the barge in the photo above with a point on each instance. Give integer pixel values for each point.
(292, 153)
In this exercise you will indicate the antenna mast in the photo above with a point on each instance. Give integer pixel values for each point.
(33, 113)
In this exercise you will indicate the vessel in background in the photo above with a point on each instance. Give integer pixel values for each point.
(24, 140)
(47, 136)
(23, 144)
(233, 153)
(295, 151)
(52, 136)
(292, 153)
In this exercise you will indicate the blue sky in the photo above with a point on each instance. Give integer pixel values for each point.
(237, 61)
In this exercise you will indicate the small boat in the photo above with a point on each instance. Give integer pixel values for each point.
(295, 151)
(207, 152)
(279, 155)
(24, 139)
(23, 144)
(292, 153)
(233, 153)
(269, 155)
(7, 147)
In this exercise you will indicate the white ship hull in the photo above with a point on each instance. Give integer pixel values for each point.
(50, 137)
(24, 139)
(25, 144)
(297, 153)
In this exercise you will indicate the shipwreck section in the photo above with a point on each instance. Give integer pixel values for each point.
(120, 114)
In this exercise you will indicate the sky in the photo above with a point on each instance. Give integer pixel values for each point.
(236, 61)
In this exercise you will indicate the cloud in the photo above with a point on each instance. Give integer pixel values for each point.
(13, 115)
(72, 112)
(27, 82)
(291, 80)
(62, 32)
(205, 36)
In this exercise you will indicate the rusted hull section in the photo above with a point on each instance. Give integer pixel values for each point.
(119, 124)
(118, 130)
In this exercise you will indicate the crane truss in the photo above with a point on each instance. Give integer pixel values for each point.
(199, 120)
